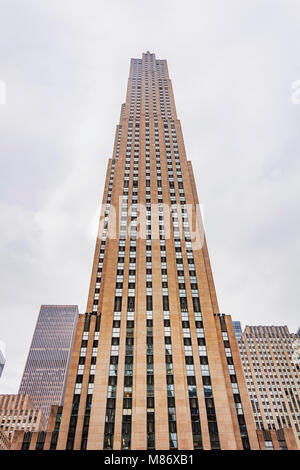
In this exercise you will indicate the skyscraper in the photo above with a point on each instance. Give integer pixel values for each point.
(46, 370)
(272, 376)
(154, 364)
(237, 329)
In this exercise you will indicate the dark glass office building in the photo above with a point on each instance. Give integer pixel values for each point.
(47, 366)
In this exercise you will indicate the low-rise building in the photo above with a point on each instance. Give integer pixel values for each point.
(18, 413)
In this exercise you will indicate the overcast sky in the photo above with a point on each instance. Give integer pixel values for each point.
(65, 65)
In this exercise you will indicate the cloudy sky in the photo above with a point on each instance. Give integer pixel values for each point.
(65, 64)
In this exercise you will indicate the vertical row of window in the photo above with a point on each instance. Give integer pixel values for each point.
(153, 87)
(170, 382)
(127, 390)
(113, 374)
(105, 225)
(234, 384)
(173, 441)
(88, 403)
(119, 134)
(150, 372)
(135, 105)
(115, 341)
(189, 362)
(160, 69)
(26, 440)
(82, 368)
(112, 385)
(40, 440)
(149, 304)
(55, 432)
(112, 379)
(164, 98)
(129, 339)
(190, 371)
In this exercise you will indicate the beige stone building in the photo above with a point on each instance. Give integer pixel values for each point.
(48, 361)
(154, 365)
(39, 440)
(272, 376)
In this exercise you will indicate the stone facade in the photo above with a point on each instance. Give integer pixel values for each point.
(272, 377)
(149, 367)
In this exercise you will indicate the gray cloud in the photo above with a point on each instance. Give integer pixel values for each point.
(65, 65)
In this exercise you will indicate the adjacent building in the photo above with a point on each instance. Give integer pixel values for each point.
(47, 366)
(272, 376)
(277, 439)
(17, 412)
(39, 440)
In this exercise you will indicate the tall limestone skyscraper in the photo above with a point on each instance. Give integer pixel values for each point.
(154, 365)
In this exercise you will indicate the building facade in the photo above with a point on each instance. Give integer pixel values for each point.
(17, 412)
(237, 329)
(154, 364)
(39, 440)
(46, 370)
(5, 442)
(272, 376)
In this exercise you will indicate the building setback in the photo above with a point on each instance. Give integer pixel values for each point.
(154, 363)
(151, 368)
(272, 376)
(237, 329)
(46, 370)
(17, 412)
(42, 440)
